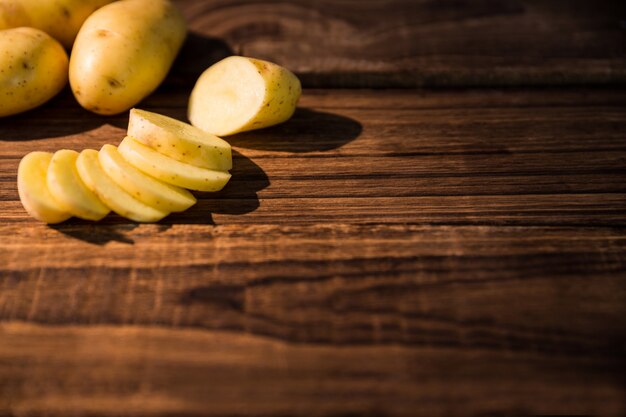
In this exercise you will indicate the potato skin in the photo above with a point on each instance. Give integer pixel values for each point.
(33, 69)
(123, 52)
(61, 19)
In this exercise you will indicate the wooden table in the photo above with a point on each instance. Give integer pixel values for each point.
(415, 251)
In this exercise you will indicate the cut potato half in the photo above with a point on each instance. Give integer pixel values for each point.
(143, 187)
(110, 193)
(180, 140)
(32, 186)
(239, 94)
(69, 190)
(170, 170)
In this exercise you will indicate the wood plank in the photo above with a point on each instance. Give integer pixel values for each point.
(414, 42)
(71, 370)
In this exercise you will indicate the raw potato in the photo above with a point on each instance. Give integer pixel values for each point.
(33, 69)
(239, 94)
(112, 194)
(144, 188)
(179, 140)
(61, 19)
(33, 189)
(123, 52)
(170, 170)
(68, 189)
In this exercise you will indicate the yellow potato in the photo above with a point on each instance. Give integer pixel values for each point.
(239, 94)
(110, 193)
(61, 19)
(143, 187)
(69, 190)
(170, 170)
(33, 189)
(123, 52)
(179, 140)
(33, 69)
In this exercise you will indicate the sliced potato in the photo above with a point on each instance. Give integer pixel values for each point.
(180, 140)
(33, 189)
(110, 193)
(143, 187)
(170, 170)
(69, 190)
(239, 94)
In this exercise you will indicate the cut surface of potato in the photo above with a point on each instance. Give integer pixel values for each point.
(69, 190)
(32, 187)
(179, 140)
(170, 170)
(239, 94)
(143, 187)
(110, 193)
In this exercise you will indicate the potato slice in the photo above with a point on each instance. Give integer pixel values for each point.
(69, 190)
(170, 170)
(239, 94)
(112, 194)
(143, 187)
(32, 187)
(179, 140)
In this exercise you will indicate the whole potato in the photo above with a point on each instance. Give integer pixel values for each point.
(61, 19)
(123, 52)
(33, 69)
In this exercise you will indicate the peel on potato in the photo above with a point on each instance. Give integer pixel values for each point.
(61, 19)
(123, 52)
(170, 170)
(33, 69)
(239, 94)
(179, 140)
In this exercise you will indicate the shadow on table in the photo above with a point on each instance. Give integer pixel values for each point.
(307, 131)
(112, 229)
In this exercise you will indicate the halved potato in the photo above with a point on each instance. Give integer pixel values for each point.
(239, 94)
(32, 187)
(69, 190)
(170, 170)
(110, 193)
(143, 187)
(180, 140)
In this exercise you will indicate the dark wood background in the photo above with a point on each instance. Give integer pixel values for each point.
(457, 249)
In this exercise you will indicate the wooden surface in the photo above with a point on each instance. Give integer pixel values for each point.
(386, 252)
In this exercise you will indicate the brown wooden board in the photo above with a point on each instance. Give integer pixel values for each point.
(385, 252)
(373, 43)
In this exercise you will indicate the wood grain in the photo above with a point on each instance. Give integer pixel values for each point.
(385, 252)
(415, 42)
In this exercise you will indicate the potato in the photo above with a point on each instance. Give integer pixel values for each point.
(33, 189)
(123, 52)
(68, 189)
(239, 94)
(61, 19)
(179, 140)
(33, 69)
(110, 193)
(144, 188)
(170, 170)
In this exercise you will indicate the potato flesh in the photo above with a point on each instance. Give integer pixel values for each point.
(123, 52)
(170, 170)
(144, 188)
(179, 140)
(111, 193)
(33, 190)
(239, 94)
(68, 189)
(61, 19)
(33, 69)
